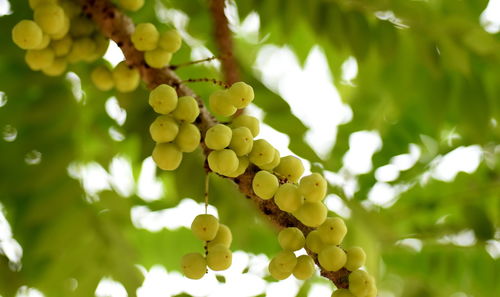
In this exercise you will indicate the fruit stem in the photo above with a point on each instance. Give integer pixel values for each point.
(174, 67)
(212, 80)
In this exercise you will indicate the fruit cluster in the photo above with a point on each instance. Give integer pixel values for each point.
(173, 130)
(217, 238)
(123, 77)
(60, 34)
(158, 48)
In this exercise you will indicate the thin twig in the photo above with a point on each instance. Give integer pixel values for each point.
(174, 67)
(210, 80)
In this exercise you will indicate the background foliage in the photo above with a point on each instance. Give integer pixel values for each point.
(427, 72)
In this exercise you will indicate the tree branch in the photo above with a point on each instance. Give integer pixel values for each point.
(118, 27)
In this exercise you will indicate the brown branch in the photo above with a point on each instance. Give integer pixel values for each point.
(118, 27)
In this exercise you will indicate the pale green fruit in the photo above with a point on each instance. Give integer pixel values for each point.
(27, 34)
(361, 284)
(291, 239)
(223, 236)
(70, 8)
(50, 17)
(220, 104)
(275, 162)
(333, 231)
(193, 265)
(342, 293)
(170, 41)
(314, 242)
(218, 137)
(288, 197)
(332, 258)
(311, 214)
(356, 258)
(82, 27)
(187, 109)
(188, 138)
(219, 257)
(125, 77)
(313, 187)
(167, 156)
(223, 162)
(157, 58)
(305, 267)
(250, 122)
(241, 94)
(102, 78)
(62, 47)
(163, 99)
(243, 163)
(57, 67)
(34, 3)
(291, 168)
(132, 5)
(82, 49)
(164, 129)
(45, 42)
(63, 31)
(276, 271)
(241, 141)
(262, 152)
(265, 184)
(285, 261)
(39, 59)
(145, 37)
(205, 227)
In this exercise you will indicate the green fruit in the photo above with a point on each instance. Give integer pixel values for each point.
(276, 271)
(205, 227)
(82, 49)
(285, 261)
(157, 58)
(291, 168)
(132, 5)
(332, 258)
(313, 187)
(288, 197)
(220, 104)
(275, 162)
(167, 156)
(219, 257)
(145, 37)
(188, 138)
(218, 137)
(163, 99)
(102, 78)
(361, 284)
(262, 152)
(187, 109)
(50, 17)
(164, 129)
(291, 239)
(193, 265)
(57, 67)
(250, 122)
(27, 34)
(45, 42)
(311, 214)
(356, 258)
(34, 3)
(242, 167)
(38, 59)
(342, 293)
(223, 237)
(82, 27)
(70, 8)
(170, 41)
(63, 31)
(241, 141)
(224, 162)
(62, 47)
(305, 267)
(314, 242)
(333, 231)
(265, 184)
(241, 94)
(125, 77)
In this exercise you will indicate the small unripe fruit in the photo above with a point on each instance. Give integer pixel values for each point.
(265, 184)
(157, 58)
(314, 242)
(163, 99)
(291, 239)
(102, 78)
(167, 156)
(241, 141)
(275, 162)
(164, 129)
(193, 265)
(262, 152)
(333, 231)
(241, 94)
(332, 258)
(218, 137)
(220, 104)
(187, 109)
(313, 187)
(188, 138)
(288, 197)
(311, 214)
(27, 34)
(125, 77)
(304, 268)
(205, 226)
(250, 122)
(145, 37)
(223, 236)
(219, 257)
(356, 258)
(291, 168)
(170, 41)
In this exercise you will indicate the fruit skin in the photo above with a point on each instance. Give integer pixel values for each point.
(102, 78)
(241, 141)
(188, 138)
(27, 34)
(241, 94)
(145, 37)
(332, 258)
(265, 184)
(187, 109)
(219, 257)
(170, 41)
(125, 77)
(361, 284)
(220, 104)
(356, 258)
(164, 129)
(205, 227)
(276, 271)
(314, 242)
(311, 214)
(250, 122)
(288, 198)
(224, 161)
(57, 67)
(313, 187)
(291, 239)
(333, 231)
(285, 261)
(38, 59)
(163, 99)
(275, 162)
(132, 5)
(157, 58)
(304, 268)
(342, 293)
(223, 237)
(291, 168)
(262, 152)
(242, 167)
(167, 156)
(50, 17)
(62, 46)
(218, 137)
(193, 265)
